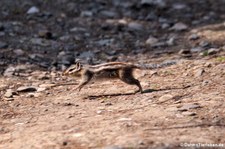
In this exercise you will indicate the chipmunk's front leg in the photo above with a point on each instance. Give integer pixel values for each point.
(86, 77)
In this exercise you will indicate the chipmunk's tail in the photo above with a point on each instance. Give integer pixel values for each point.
(160, 65)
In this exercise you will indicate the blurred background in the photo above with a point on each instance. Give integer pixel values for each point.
(52, 34)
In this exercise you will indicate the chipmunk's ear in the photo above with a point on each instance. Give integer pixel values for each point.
(78, 65)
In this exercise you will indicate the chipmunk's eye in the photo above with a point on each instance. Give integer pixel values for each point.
(70, 70)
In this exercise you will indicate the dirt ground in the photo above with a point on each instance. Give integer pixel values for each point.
(182, 105)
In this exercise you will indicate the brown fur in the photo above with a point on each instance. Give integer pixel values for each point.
(120, 70)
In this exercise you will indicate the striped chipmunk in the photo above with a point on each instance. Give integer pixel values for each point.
(120, 70)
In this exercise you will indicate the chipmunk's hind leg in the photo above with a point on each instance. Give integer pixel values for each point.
(126, 75)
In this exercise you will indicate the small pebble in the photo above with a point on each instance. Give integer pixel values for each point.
(179, 27)
(33, 10)
(26, 89)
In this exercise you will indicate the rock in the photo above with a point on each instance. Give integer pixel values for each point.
(3, 87)
(179, 27)
(109, 14)
(133, 26)
(212, 51)
(16, 70)
(9, 93)
(111, 52)
(70, 48)
(124, 119)
(41, 89)
(184, 51)
(193, 37)
(112, 147)
(189, 106)
(159, 44)
(205, 53)
(204, 44)
(151, 17)
(223, 48)
(19, 52)
(187, 113)
(165, 98)
(78, 29)
(196, 22)
(151, 41)
(208, 64)
(86, 13)
(3, 45)
(100, 111)
(159, 3)
(171, 109)
(205, 82)
(26, 89)
(9, 99)
(105, 42)
(71, 6)
(108, 104)
(2, 34)
(43, 76)
(165, 25)
(40, 42)
(45, 34)
(124, 4)
(30, 95)
(9, 71)
(33, 10)
(65, 58)
(86, 55)
(68, 104)
(196, 49)
(36, 57)
(199, 72)
(65, 38)
(179, 6)
(170, 42)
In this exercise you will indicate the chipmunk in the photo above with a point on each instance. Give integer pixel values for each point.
(120, 70)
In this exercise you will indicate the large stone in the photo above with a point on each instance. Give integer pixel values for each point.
(26, 89)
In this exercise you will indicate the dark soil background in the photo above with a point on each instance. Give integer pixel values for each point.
(61, 31)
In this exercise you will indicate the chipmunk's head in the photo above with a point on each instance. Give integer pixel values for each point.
(73, 70)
